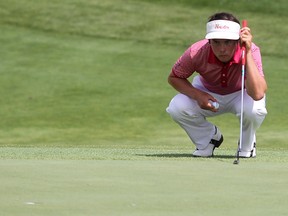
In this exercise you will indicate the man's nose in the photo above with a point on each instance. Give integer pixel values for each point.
(222, 47)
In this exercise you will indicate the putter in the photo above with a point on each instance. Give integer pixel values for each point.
(243, 58)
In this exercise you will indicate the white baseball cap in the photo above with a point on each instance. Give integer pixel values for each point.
(222, 29)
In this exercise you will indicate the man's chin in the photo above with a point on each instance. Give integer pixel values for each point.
(224, 59)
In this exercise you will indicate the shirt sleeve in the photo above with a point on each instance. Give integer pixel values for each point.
(257, 58)
(189, 62)
(184, 68)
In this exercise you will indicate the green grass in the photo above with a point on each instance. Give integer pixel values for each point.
(142, 188)
(71, 93)
(83, 127)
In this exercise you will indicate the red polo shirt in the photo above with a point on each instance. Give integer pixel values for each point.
(217, 77)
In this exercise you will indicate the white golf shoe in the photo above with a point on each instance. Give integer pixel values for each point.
(214, 143)
(248, 154)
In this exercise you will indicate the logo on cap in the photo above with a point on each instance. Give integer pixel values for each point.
(218, 26)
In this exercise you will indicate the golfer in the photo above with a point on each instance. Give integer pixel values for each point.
(217, 62)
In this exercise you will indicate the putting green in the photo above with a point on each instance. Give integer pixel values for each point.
(142, 187)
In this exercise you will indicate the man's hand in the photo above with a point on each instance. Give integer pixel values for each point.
(204, 101)
(246, 38)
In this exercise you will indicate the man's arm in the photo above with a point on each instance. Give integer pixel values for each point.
(255, 83)
(183, 86)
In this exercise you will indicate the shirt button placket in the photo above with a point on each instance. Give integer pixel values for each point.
(224, 77)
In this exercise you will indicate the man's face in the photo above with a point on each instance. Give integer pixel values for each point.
(223, 49)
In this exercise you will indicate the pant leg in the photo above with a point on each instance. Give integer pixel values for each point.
(254, 113)
(187, 113)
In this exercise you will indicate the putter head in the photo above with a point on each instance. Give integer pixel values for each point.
(236, 161)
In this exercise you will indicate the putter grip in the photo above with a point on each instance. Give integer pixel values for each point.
(244, 24)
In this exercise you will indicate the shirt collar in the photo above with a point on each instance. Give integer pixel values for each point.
(212, 59)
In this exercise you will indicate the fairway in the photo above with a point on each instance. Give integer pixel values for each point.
(83, 127)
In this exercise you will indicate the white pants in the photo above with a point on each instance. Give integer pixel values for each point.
(187, 113)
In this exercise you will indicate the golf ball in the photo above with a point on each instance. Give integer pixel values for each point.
(214, 104)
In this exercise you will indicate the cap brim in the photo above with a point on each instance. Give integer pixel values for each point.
(222, 35)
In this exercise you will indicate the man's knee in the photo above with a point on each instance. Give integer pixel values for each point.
(180, 106)
(256, 114)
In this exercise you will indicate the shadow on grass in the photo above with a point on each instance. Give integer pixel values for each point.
(178, 155)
